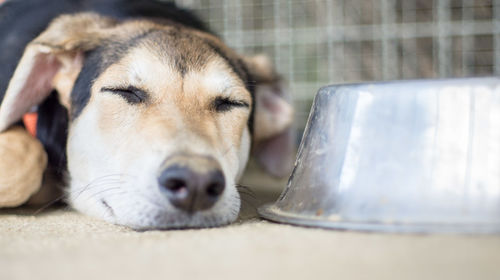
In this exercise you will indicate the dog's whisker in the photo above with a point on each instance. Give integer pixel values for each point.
(96, 185)
(247, 195)
(106, 190)
(66, 194)
(48, 204)
(105, 185)
(95, 181)
(98, 181)
(243, 186)
(245, 189)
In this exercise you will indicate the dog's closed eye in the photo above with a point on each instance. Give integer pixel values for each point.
(131, 94)
(225, 104)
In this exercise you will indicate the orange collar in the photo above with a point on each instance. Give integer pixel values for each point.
(30, 120)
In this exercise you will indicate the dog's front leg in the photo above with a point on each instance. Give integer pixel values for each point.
(22, 163)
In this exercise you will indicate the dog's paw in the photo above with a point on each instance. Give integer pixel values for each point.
(22, 164)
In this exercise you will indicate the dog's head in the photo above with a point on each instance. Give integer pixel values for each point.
(162, 117)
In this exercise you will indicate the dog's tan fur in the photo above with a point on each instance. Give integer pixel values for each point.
(19, 149)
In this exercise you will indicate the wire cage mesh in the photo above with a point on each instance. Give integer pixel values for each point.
(319, 42)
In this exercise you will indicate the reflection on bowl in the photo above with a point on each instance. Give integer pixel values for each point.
(410, 156)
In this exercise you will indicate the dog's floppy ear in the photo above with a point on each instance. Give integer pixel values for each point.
(273, 145)
(53, 60)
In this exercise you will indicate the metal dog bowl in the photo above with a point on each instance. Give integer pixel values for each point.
(410, 156)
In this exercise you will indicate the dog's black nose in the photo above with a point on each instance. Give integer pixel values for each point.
(189, 190)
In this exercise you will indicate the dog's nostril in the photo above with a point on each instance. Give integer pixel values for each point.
(175, 185)
(215, 185)
(189, 190)
(215, 189)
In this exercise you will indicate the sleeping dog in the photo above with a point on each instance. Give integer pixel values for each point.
(144, 114)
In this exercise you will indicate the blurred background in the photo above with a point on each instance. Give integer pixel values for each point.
(318, 42)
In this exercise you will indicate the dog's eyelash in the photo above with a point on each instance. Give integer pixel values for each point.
(131, 94)
(224, 104)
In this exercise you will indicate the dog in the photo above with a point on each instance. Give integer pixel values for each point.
(145, 114)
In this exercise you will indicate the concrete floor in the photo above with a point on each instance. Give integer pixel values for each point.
(62, 244)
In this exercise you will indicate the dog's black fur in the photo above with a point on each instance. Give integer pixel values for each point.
(22, 20)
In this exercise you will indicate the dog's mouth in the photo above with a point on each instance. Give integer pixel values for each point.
(187, 192)
(149, 215)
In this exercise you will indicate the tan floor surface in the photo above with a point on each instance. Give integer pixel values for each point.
(61, 244)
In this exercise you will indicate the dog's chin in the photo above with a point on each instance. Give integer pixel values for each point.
(168, 221)
(143, 214)
(154, 218)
